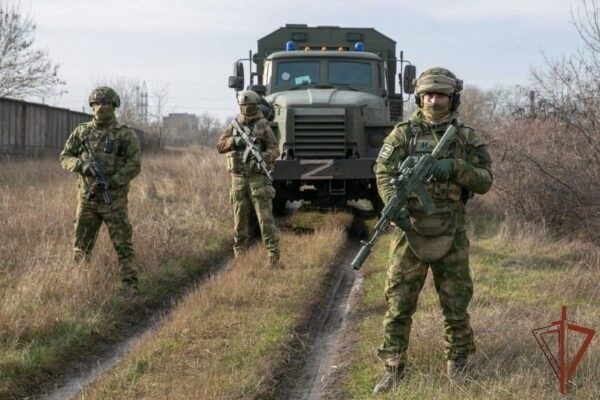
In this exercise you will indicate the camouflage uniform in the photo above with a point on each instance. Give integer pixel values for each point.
(249, 185)
(438, 241)
(117, 149)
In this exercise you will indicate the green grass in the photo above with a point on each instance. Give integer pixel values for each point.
(519, 285)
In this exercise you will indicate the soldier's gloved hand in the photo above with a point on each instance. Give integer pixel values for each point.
(239, 142)
(253, 164)
(96, 187)
(402, 220)
(86, 168)
(443, 169)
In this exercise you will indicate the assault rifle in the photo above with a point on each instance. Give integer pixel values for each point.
(98, 174)
(251, 148)
(413, 175)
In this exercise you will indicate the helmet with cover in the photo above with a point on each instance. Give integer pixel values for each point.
(248, 97)
(248, 101)
(104, 94)
(438, 80)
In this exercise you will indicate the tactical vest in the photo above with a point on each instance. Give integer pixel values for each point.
(108, 147)
(235, 162)
(433, 234)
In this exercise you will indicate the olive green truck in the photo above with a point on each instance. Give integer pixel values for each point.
(332, 99)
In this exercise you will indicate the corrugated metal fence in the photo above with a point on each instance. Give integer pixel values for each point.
(31, 128)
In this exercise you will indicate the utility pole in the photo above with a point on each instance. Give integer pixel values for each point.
(141, 102)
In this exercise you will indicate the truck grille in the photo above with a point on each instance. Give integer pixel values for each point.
(319, 136)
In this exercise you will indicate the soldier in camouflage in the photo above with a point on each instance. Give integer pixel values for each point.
(250, 187)
(437, 241)
(117, 149)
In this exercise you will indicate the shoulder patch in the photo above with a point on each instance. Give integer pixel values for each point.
(386, 151)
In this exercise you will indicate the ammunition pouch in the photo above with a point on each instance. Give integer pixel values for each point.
(234, 163)
(445, 191)
(433, 234)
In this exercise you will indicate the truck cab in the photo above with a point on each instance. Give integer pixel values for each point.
(333, 102)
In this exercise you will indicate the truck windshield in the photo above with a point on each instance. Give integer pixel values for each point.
(350, 73)
(293, 73)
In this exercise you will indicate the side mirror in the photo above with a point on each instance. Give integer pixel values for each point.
(409, 75)
(237, 80)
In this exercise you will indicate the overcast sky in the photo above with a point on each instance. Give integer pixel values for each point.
(190, 45)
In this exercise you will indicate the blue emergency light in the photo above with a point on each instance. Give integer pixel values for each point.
(359, 46)
(290, 46)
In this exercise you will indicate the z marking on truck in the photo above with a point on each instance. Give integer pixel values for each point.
(312, 174)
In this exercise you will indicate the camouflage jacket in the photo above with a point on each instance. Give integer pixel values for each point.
(472, 167)
(265, 139)
(120, 164)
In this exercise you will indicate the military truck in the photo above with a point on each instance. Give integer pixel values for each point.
(332, 96)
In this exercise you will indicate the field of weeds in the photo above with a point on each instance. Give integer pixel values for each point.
(238, 334)
(52, 310)
(522, 277)
(234, 337)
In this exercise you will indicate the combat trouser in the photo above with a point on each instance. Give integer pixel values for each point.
(89, 218)
(405, 278)
(255, 191)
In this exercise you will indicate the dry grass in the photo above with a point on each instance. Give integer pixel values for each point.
(230, 337)
(50, 308)
(521, 280)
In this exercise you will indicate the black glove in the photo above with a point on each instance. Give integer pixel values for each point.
(96, 187)
(239, 142)
(253, 164)
(402, 220)
(443, 169)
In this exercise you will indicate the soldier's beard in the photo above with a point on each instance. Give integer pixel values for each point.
(104, 117)
(435, 111)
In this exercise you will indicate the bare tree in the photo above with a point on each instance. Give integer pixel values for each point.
(156, 128)
(210, 129)
(546, 147)
(24, 71)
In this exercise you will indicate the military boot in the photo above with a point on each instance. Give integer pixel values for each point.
(457, 369)
(274, 263)
(390, 379)
(129, 286)
(81, 256)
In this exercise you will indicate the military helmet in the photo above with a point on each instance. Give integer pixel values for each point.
(248, 97)
(438, 80)
(104, 94)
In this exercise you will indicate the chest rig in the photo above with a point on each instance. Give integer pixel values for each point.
(235, 162)
(104, 140)
(423, 141)
(432, 234)
(108, 148)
